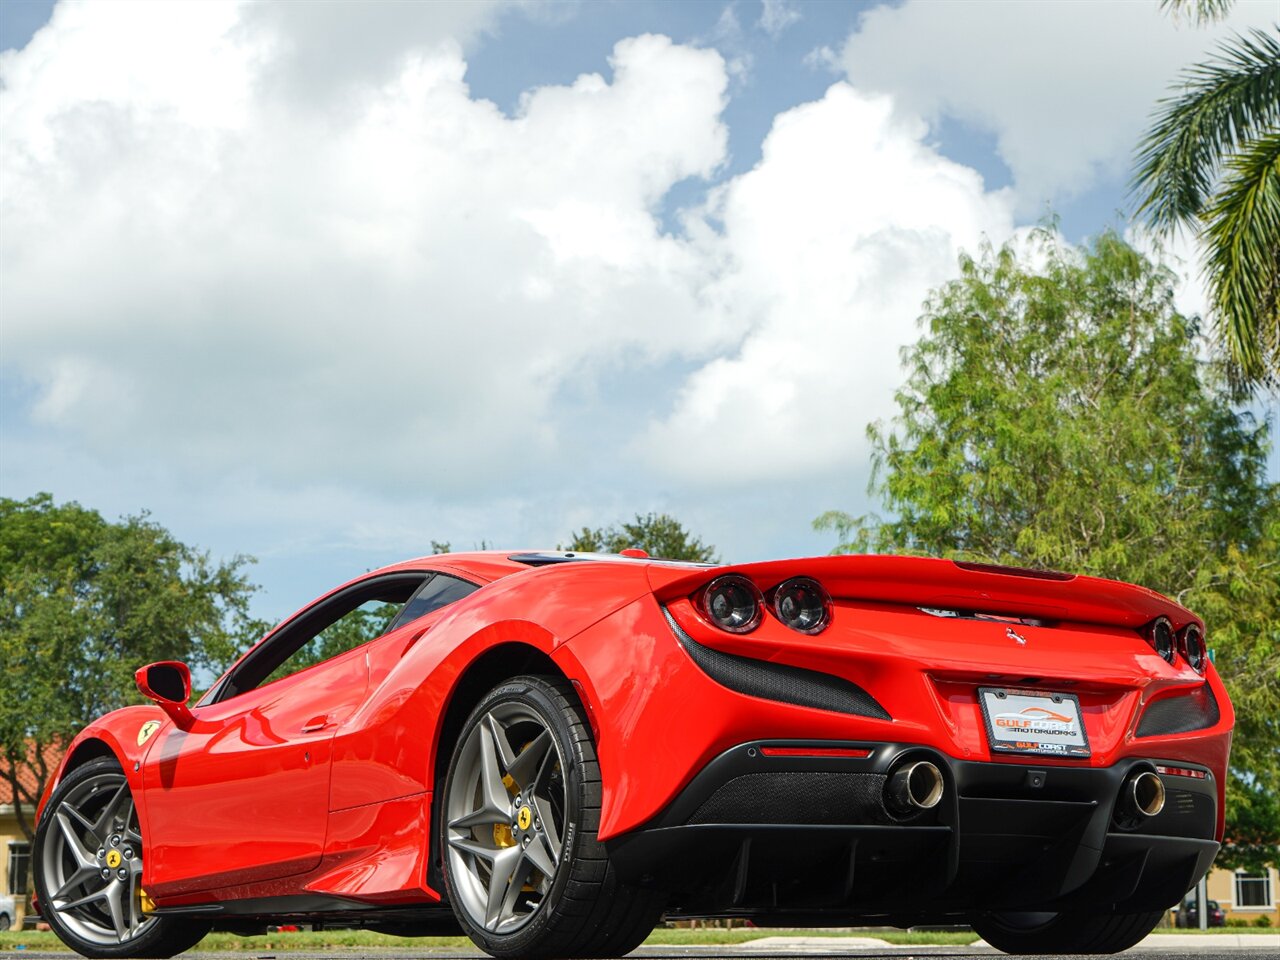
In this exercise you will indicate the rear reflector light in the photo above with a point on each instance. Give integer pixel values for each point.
(1182, 772)
(854, 752)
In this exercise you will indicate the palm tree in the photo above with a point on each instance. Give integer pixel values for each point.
(1211, 161)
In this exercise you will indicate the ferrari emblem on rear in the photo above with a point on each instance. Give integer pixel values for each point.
(1014, 635)
(524, 818)
(148, 728)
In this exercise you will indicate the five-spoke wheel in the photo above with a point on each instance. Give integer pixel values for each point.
(88, 867)
(505, 813)
(524, 870)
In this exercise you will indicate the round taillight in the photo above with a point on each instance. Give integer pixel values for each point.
(732, 603)
(802, 605)
(1160, 636)
(1191, 645)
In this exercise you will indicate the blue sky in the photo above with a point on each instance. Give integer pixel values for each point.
(322, 283)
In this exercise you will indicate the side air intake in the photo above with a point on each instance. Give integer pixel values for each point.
(775, 681)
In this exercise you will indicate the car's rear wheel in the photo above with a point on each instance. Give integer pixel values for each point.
(1072, 932)
(88, 870)
(524, 870)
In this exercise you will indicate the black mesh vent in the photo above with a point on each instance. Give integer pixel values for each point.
(797, 797)
(1190, 711)
(776, 681)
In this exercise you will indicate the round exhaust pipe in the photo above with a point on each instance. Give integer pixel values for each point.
(1142, 795)
(913, 787)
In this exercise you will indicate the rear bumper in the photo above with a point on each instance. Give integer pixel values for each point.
(797, 838)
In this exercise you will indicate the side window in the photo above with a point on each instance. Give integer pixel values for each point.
(325, 630)
(440, 591)
(366, 622)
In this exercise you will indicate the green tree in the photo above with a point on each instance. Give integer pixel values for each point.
(658, 534)
(1199, 12)
(1059, 416)
(1211, 162)
(85, 602)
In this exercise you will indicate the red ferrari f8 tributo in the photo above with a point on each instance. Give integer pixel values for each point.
(549, 751)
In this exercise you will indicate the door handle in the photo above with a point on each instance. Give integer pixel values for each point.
(414, 639)
(315, 723)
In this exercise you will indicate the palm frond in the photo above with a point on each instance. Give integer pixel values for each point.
(1199, 12)
(1242, 232)
(1225, 102)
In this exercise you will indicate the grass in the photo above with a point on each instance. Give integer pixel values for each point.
(364, 939)
(676, 936)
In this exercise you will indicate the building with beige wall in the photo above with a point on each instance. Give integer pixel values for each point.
(15, 855)
(1247, 895)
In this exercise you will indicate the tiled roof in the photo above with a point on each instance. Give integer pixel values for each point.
(26, 775)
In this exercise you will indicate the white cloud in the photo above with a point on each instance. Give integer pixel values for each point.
(200, 268)
(829, 247)
(777, 15)
(1180, 253)
(368, 314)
(1065, 86)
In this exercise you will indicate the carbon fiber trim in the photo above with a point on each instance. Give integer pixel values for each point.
(1196, 710)
(780, 682)
(811, 796)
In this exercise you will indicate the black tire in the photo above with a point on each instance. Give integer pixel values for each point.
(1065, 932)
(92, 799)
(5, 922)
(584, 909)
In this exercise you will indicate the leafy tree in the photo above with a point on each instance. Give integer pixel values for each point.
(1199, 12)
(85, 602)
(1211, 162)
(364, 623)
(658, 534)
(1059, 416)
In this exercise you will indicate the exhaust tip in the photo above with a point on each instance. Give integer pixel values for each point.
(1142, 794)
(914, 787)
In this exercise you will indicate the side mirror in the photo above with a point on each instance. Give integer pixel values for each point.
(168, 684)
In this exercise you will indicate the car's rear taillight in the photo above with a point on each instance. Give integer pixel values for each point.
(802, 604)
(1191, 646)
(1159, 634)
(732, 603)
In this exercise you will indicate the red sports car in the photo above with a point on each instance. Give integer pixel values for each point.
(550, 751)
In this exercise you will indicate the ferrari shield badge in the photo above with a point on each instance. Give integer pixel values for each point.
(148, 728)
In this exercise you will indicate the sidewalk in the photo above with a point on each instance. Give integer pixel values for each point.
(1269, 942)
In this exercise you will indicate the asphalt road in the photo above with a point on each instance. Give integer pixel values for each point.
(1251, 947)
(730, 953)
(685, 953)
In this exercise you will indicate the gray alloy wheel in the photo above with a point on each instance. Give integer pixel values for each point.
(505, 815)
(91, 861)
(518, 818)
(88, 862)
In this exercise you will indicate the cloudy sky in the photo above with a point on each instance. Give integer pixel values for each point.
(323, 282)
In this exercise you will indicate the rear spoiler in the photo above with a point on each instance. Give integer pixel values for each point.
(951, 585)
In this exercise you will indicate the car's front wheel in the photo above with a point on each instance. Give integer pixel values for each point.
(1077, 932)
(524, 870)
(88, 870)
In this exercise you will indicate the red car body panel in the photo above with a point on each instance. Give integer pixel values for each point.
(322, 782)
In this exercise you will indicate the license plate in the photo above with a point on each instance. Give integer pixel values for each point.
(1024, 721)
